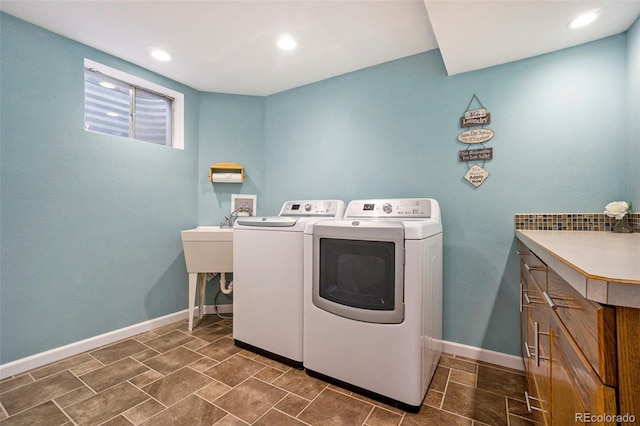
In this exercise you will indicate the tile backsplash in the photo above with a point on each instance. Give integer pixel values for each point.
(570, 221)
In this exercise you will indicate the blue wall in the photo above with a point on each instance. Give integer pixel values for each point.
(633, 76)
(90, 224)
(390, 131)
(231, 129)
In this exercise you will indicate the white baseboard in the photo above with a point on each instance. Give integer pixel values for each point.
(38, 360)
(486, 355)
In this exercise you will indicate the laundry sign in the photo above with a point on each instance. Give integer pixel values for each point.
(475, 136)
(476, 175)
(474, 119)
(475, 113)
(475, 154)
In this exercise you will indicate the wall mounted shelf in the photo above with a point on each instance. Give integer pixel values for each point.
(226, 173)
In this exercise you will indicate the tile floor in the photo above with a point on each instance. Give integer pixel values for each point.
(170, 376)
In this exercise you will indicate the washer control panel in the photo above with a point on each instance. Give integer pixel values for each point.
(329, 208)
(397, 208)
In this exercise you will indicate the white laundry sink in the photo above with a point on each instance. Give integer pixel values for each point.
(208, 249)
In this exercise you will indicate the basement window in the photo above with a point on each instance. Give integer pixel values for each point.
(119, 104)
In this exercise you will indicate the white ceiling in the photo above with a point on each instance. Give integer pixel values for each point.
(229, 46)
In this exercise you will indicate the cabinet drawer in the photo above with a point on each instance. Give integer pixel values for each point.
(532, 267)
(539, 342)
(591, 326)
(576, 389)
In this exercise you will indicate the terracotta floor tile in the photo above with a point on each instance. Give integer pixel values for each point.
(118, 351)
(250, 400)
(177, 386)
(431, 416)
(463, 377)
(170, 376)
(292, 404)
(47, 414)
(74, 396)
(173, 360)
(40, 391)
(458, 364)
(144, 411)
(300, 383)
(230, 420)
(145, 378)
(62, 365)
(502, 381)
(213, 391)
(519, 421)
(118, 421)
(519, 408)
(382, 417)
(275, 417)
(440, 377)
(105, 405)
(434, 398)
(476, 404)
(334, 408)
(234, 370)
(112, 374)
(87, 367)
(145, 355)
(192, 411)
(219, 350)
(169, 341)
(212, 333)
(11, 383)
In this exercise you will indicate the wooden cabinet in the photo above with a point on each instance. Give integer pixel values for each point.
(570, 350)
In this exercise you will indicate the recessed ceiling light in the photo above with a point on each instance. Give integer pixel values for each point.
(286, 42)
(161, 55)
(107, 85)
(584, 19)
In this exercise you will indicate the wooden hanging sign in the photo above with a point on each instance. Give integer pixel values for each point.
(475, 113)
(475, 154)
(475, 136)
(476, 175)
(475, 121)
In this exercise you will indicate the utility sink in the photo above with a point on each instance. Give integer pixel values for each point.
(208, 249)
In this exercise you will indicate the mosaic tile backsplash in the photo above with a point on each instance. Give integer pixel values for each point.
(571, 221)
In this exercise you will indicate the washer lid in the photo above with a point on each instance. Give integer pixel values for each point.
(267, 221)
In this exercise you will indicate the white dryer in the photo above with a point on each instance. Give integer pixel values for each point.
(268, 278)
(373, 299)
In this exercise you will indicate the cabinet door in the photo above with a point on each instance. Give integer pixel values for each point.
(577, 393)
(591, 325)
(539, 355)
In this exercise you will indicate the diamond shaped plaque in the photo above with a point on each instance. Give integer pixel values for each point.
(476, 175)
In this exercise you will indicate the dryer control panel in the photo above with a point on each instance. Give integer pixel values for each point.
(328, 208)
(397, 208)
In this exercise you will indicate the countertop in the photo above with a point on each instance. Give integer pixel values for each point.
(602, 266)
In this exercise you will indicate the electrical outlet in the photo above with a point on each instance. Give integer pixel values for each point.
(243, 205)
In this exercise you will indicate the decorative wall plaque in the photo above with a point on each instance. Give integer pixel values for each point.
(475, 154)
(475, 120)
(475, 136)
(476, 175)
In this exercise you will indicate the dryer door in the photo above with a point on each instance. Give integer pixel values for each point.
(358, 270)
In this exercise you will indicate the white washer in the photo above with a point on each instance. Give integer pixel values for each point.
(268, 278)
(373, 299)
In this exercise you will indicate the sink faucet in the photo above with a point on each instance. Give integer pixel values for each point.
(227, 222)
